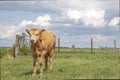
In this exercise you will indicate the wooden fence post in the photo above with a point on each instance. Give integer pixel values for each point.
(20, 41)
(23, 36)
(91, 45)
(58, 44)
(114, 44)
(16, 46)
(13, 50)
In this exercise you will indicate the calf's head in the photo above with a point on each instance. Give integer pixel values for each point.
(34, 34)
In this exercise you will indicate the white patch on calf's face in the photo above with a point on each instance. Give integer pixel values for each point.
(34, 36)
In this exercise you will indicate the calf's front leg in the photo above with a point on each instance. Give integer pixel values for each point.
(42, 60)
(34, 64)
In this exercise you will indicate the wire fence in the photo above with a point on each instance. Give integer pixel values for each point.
(68, 43)
(87, 43)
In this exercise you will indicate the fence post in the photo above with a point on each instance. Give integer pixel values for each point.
(73, 47)
(13, 50)
(114, 44)
(58, 44)
(91, 45)
(16, 46)
(20, 41)
(23, 39)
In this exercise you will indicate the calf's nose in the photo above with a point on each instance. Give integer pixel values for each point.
(32, 40)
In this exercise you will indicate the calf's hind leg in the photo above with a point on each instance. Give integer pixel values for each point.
(46, 62)
(51, 56)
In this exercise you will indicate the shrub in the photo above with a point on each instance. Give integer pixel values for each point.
(2, 52)
(24, 50)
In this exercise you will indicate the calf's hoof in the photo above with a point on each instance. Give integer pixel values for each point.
(41, 74)
(33, 74)
(50, 70)
(45, 69)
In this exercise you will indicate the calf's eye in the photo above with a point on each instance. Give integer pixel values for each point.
(36, 34)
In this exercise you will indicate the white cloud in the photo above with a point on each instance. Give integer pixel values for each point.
(115, 23)
(74, 14)
(41, 21)
(7, 31)
(24, 23)
(10, 31)
(94, 17)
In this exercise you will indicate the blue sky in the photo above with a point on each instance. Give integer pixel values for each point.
(74, 21)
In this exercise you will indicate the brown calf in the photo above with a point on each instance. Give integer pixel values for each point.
(42, 45)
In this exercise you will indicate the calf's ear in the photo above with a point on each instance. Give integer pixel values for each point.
(42, 30)
(28, 31)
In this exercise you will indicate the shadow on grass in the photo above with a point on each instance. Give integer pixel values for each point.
(31, 72)
(27, 73)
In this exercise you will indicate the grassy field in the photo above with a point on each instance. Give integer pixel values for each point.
(68, 64)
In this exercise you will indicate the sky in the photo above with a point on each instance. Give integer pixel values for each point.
(75, 22)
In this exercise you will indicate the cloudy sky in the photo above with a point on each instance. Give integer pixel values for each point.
(74, 21)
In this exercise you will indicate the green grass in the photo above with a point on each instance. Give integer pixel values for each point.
(5, 51)
(68, 64)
